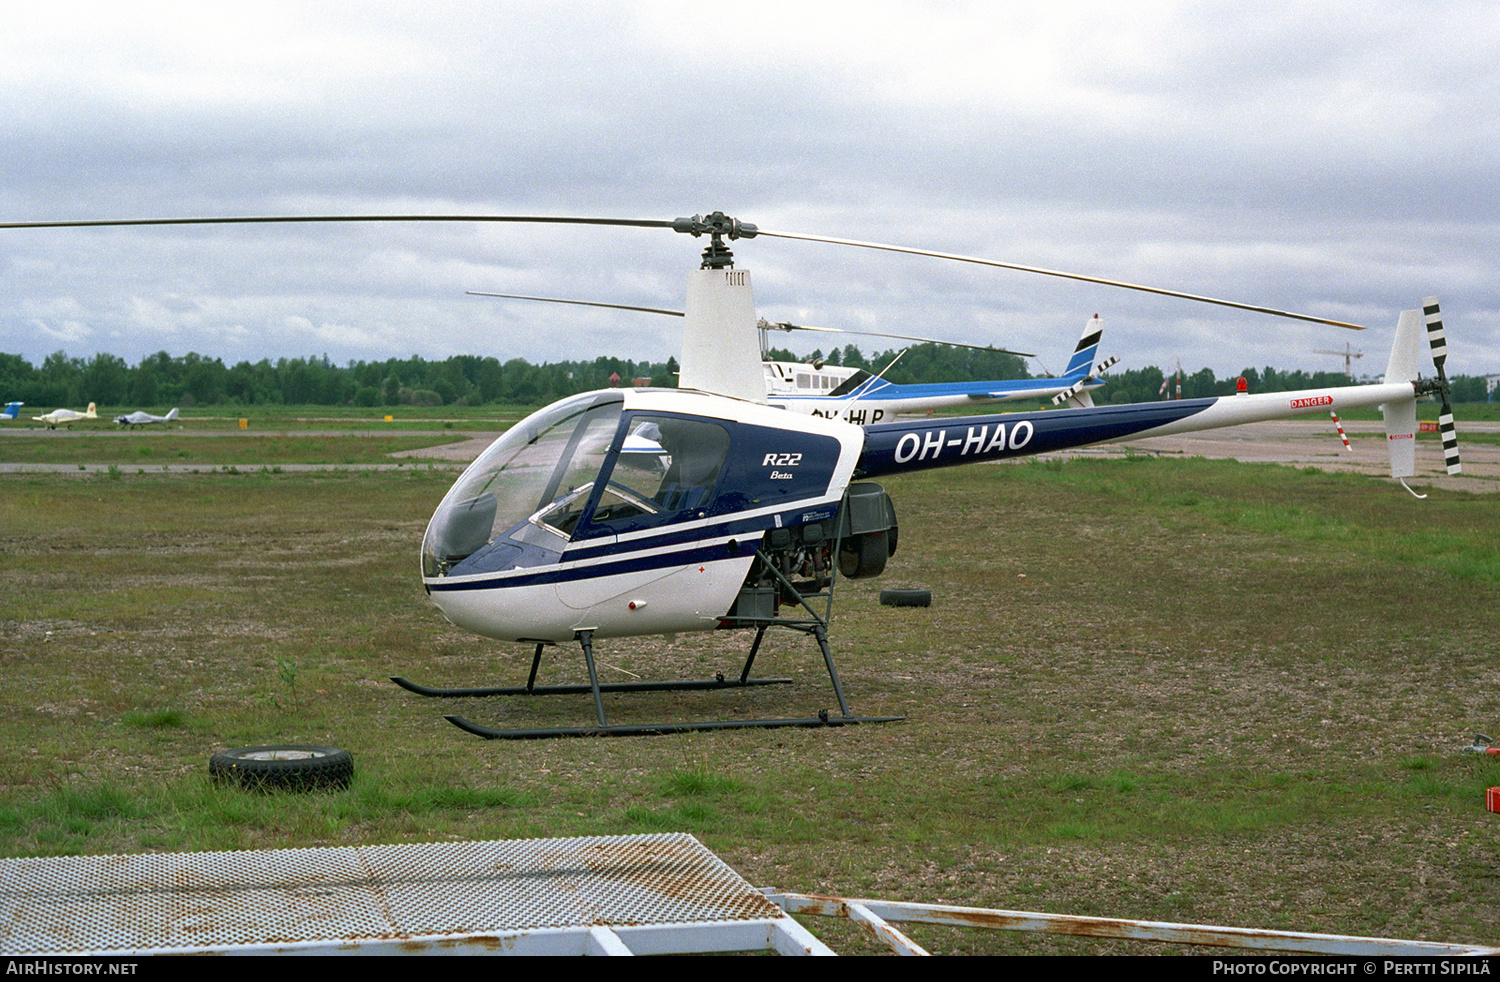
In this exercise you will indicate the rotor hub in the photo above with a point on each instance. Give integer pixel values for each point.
(716, 226)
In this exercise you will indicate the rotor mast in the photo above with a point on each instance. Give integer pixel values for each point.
(716, 227)
(720, 346)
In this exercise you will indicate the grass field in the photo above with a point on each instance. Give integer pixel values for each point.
(1149, 688)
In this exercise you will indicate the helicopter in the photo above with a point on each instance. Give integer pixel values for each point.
(555, 536)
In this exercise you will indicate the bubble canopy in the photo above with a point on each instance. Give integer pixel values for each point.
(546, 458)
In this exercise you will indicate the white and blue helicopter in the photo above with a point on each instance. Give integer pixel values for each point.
(855, 396)
(554, 535)
(861, 398)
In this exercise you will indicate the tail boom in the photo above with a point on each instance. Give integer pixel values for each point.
(924, 444)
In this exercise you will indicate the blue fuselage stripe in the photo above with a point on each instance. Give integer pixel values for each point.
(566, 572)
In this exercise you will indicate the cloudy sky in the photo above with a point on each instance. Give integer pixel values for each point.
(1333, 158)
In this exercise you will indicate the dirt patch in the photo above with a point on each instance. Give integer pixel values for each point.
(1307, 443)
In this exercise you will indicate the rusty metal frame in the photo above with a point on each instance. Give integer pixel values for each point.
(658, 893)
(641, 894)
(874, 916)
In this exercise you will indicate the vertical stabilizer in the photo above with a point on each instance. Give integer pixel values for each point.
(720, 342)
(1401, 415)
(1406, 350)
(1088, 346)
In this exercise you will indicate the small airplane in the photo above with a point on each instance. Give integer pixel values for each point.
(555, 535)
(66, 417)
(12, 411)
(141, 418)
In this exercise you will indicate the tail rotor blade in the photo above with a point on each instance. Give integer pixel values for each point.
(1438, 340)
(1082, 383)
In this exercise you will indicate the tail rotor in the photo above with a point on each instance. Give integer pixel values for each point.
(1438, 341)
(1088, 380)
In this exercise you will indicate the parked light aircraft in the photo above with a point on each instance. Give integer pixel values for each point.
(12, 411)
(553, 535)
(141, 418)
(66, 417)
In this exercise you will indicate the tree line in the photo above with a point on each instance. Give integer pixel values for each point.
(161, 379)
(194, 380)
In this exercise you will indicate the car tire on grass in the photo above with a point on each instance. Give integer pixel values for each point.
(283, 768)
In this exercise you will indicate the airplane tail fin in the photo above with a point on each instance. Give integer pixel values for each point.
(1081, 370)
(171, 415)
(1088, 347)
(12, 410)
(93, 413)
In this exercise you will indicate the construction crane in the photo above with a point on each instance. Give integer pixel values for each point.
(1349, 354)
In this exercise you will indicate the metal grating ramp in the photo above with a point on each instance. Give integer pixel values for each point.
(609, 895)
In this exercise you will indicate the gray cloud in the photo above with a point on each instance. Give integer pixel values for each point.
(1333, 158)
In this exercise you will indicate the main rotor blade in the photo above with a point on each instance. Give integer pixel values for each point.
(680, 224)
(1058, 273)
(784, 326)
(580, 303)
(314, 219)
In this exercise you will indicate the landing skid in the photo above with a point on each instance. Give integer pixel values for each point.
(718, 682)
(817, 626)
(662, 729)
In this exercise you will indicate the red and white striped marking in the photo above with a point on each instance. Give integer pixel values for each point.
(1342, 435)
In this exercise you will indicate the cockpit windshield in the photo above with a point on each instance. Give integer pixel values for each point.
(559, 476)
(549, 455)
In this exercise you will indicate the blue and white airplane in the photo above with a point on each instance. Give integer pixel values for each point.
(12, 411)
